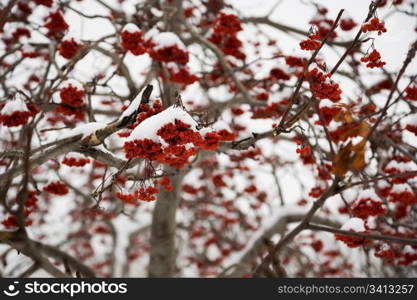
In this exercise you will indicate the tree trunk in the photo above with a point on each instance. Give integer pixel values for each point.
(162, 253)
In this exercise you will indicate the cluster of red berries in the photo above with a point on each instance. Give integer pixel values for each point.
(182, 76)
(316, 192)
(321, 87)
(407, 258)
(72, 102)
(75, 162)
(278, 74)
(47, 3)
(225, 37)
(182, 143)
(402, 194)
(384, 252)
(56, 188)
(34, 54)
(30, 206)
(56, 25)
(165, 182)
(347, 24)
(133, 42)
(328, 113)
(11, 222)
(324, 172)
(237, 111)
(263, 96)
(19, 32)
(398, 165)
(412, 128)
(69, 48)
(312, 43)
(178, 133)
(167, 54)
(411, 93)
(373, 60)
(146, 194)
(351, 241)
(365, 207)
(323, 26)
(304, 150)
(294, 61)
(270, 110)
(189, 189)
(305, 153)
(385, 84)
(127, 198)
(374, 25)
(18, 118)
(227, 24)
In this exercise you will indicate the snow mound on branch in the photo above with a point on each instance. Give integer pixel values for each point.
(148, 128)
(354, 224)
(369, 193)
(218, 126)
(130, 27)
(410, 120)
(401, 166)
(167, 39)
(134, 105)
(409, 250)
(71, 35)
(18, 104)
(84, 129)
(267, 225)
(156, 12)
(72, 82)
(400, 188)
(326, 103)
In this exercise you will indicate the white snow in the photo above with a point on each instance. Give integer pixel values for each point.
(354, 224)
(409, 249)
(410, 120)
(173, 67)
(401, 166)
(356, 140)
(326, 103)
(369, 193)
(167, 39)
(151, 33)
(213, 252)
(399, 188)
(75, 155)
(148, 128)
(130, 27)
(156, 12)
(220, 125)
(132, 107)
(383, 184)
(71, 35)
(18, 104)
(84, 129)
(267, 225)
(385, 247)
(73, 82)
(371, 222)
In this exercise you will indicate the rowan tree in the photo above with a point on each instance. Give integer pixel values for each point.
(196, 138)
